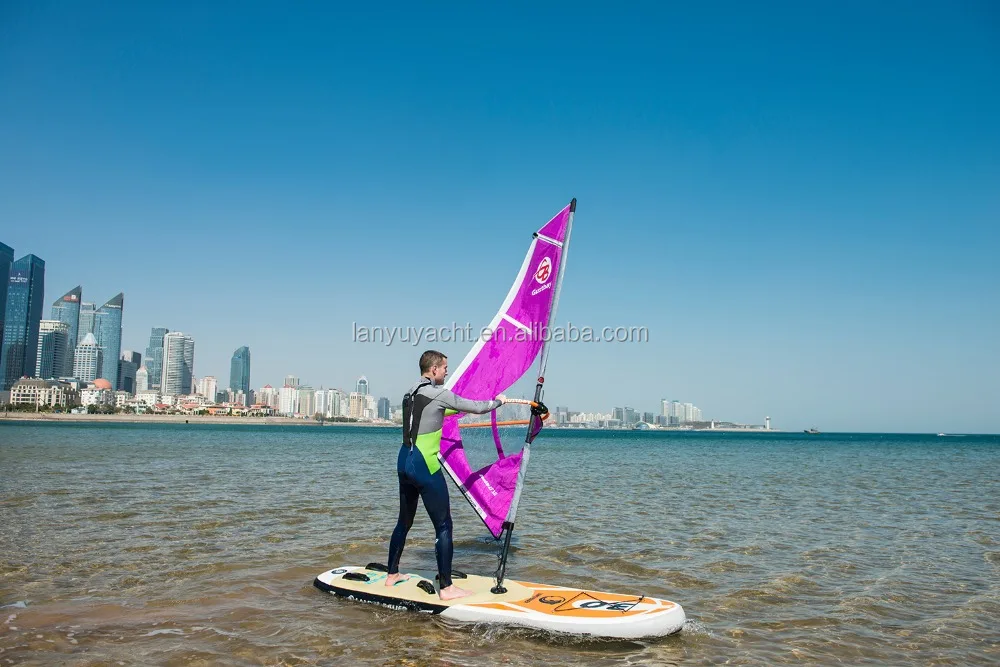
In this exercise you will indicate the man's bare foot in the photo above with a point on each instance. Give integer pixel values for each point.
(393, 579)
(453, 592)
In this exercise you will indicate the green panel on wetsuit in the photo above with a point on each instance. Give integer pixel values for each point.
(429, 445)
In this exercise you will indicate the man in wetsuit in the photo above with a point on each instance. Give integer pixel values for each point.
(420, 475)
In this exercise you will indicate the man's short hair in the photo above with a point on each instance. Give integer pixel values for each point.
(430, 358)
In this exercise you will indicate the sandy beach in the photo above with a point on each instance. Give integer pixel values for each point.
(171, 419)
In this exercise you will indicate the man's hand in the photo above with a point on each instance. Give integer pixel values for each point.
(502, 398)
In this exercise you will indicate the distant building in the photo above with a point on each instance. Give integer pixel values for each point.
(383, 409)
(562, 415)
(99, 393)
(53, 339)
(141, 380)
(178, 364)
(319, 402)
(87, 359)
(154, 356)
(237, 398)
(208, 387)
(22, 317)
(239, 371)
(6, 259)
(362, 387)
(128, 369)
(38, 392)
(268, 395)
(291, 381)
(288, 400)
(148, 397)
(108, 331)
(362, 406)
(306, 406)
(67, 309)
(87, 311)
(649, 417)
(335, 403)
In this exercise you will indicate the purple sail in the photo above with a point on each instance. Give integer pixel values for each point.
(499, 359)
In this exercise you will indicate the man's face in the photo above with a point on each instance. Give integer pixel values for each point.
(439, 371)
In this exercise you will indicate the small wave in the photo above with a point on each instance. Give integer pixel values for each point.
(696, 628)
(111, 516)
(495, 633)
(721, 566)
(217, 631)
(20, 604)
(165, 631)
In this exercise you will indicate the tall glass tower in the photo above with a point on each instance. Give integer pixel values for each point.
(239, 371)
(86, 326)
(67, 309)
(154, 356)
(108, 332)
(53, 346)
(6, 259)
(23, 316)
(178, 364)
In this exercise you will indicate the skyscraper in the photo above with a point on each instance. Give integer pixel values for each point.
(87, 359)
(128, 368)
(362, 387)
(178, 364)
(291, 381)
(154, 356)
(53, 348)
(23, 315)
(67, 309)
(108, 332)
(6, 259)
(86, 325)
(306, 403)
(239, 371)
(320, 401)
(383, 408)
(141, 379)
(208, 387)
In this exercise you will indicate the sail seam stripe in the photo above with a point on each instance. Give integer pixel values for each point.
(523, 327)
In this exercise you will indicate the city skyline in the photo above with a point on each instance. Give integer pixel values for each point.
(799, 208)
(189, 376)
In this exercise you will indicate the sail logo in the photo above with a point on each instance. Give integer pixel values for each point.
(488, 485)
(544, 270)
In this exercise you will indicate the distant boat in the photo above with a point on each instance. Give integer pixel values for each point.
(811, 431)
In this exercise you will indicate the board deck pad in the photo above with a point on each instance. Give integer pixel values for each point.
(542, 606)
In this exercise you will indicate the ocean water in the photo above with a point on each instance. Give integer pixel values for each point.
(198, 544)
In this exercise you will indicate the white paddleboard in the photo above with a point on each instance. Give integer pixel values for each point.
(553, 608)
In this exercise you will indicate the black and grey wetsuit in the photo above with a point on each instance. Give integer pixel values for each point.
(420, 476)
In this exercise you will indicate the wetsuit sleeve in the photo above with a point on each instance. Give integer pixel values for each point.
(459, 404)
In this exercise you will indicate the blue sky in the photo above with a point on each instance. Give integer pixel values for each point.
(799, 200)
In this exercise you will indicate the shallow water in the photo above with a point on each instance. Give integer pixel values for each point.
(198, 544)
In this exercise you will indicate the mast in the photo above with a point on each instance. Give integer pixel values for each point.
(508, 525)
